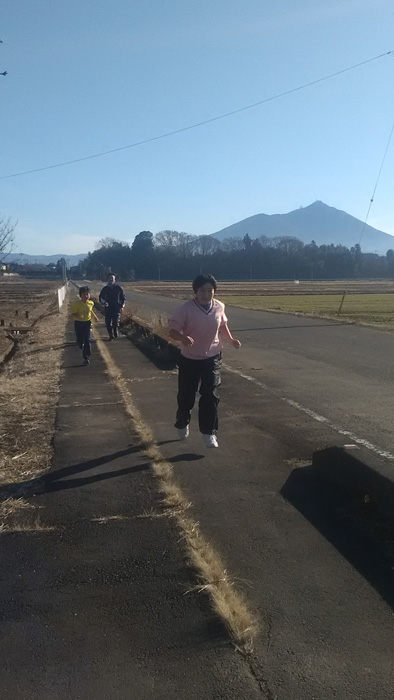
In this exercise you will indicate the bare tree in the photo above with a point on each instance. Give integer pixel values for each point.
(109, 243)
(231, 244)
(204, 245)
(7, 236)
(179, 242)
(288, 244)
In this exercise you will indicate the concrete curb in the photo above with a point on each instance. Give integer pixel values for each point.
(158, 349)
(366, 478)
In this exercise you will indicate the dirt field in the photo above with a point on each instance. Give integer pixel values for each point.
(275, 288)
(22, 302)
(29, 383)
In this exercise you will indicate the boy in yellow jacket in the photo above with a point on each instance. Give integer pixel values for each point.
(82, 312)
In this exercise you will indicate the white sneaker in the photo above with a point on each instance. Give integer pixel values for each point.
(210, 440)
(183, 433)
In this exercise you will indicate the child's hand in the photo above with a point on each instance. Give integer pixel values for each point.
(187, 340)
(235, 343)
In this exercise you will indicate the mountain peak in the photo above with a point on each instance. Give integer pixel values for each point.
(317, 222)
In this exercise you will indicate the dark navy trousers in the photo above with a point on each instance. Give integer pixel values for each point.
(112, 320)
(202, 376)
(82, 331)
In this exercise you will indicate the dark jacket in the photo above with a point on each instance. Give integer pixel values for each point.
(113, 296)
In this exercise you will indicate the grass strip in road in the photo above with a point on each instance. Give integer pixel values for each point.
(213, 578)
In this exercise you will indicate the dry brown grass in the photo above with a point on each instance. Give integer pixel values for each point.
(212, 575)
(18, 515)
(29, 389)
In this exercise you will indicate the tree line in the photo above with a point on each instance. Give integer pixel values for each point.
(173, 255)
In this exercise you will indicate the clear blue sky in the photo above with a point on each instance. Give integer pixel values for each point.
(86, 76)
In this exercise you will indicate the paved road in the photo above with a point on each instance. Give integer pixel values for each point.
(93, 603)
(321, 591)
(344, 373)
(320, 588)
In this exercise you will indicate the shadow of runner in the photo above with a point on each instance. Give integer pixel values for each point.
(359, 536)
(53, 480)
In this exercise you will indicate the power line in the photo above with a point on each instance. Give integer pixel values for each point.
(376, 183)
(4, 72)
(198, 124)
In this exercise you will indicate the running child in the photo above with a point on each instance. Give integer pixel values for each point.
(197, 325)
(113, 299)
(82, 312)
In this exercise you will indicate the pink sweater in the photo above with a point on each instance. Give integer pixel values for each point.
(203, 326)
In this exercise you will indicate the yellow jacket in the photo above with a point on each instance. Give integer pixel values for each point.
(83, 310)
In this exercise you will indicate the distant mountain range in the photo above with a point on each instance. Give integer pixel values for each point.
(25, 259)
(318, 222)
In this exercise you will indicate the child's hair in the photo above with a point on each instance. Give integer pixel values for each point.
(111, 274)
(82, 290)
(200, 280)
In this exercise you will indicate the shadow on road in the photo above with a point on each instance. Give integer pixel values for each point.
(57, 480)
(358, 534)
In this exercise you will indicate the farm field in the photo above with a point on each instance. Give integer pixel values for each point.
(269, 288)
(368, 302)
(22, 301)
(29, 388)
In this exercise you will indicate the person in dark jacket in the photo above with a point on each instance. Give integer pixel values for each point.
(113, 299)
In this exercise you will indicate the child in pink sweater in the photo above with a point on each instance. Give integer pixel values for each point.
(196, 325)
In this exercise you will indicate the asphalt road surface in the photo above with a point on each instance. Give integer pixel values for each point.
(319, 585)
(339, 372)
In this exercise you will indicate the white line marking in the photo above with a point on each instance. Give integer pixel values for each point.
(312, 414)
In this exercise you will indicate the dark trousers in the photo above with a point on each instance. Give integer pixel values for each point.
(82, 331)
(205, 376)
(112, 320)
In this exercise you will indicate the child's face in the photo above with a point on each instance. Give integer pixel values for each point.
(204, 294)
(85, 296)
